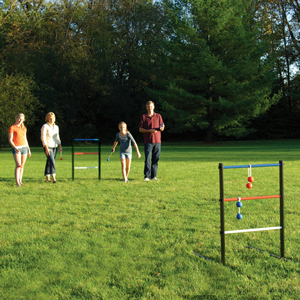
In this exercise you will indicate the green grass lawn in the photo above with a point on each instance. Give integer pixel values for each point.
(91, 239)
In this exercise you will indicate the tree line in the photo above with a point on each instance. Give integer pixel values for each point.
(215, 69)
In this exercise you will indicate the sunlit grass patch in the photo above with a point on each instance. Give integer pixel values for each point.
(91, 239)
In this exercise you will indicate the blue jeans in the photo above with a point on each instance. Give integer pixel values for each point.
(50, 163)
(151, 165)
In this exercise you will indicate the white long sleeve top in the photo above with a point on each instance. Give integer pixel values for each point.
(50, 135)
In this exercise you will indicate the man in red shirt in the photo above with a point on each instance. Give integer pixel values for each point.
(151, 125)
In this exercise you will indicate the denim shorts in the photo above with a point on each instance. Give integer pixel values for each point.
(125, 155)
(23, 151)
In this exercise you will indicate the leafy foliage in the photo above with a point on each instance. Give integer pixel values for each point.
(209, 65)
(16, 96)
(219, 71)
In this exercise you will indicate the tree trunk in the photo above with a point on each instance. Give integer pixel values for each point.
(209, 135)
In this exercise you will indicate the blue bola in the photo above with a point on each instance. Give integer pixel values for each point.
(239, 204)
(239, 216)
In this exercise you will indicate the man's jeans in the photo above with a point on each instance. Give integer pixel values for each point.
(151, 165)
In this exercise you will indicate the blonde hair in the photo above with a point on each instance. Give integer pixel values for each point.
(150, 102)
(48, 115)
(19, 115)
(122, 123)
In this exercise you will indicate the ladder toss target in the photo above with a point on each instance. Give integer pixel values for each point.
(239, 204)
(86, 153)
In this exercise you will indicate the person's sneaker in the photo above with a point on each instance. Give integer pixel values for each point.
(126, 180)
(146, 179)
(154, 178)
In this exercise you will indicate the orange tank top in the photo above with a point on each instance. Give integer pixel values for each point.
(18, 135)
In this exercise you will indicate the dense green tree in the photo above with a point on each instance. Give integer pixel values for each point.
(16, 96)
(219, 74)
(280, 29)
(208, 65)
(90, 59)
(124, 53)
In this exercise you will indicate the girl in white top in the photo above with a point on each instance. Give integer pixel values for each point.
(50, 139)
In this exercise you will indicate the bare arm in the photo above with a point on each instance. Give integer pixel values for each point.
(11, 142)
(137, 150)
(142, 130)
(114, 146)
(27, 145)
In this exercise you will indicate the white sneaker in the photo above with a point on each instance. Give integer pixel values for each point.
(146, 179)
(154, 178)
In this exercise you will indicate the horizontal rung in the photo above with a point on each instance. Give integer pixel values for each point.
(82, 153)
(86, 139)
(252, 166)
(253, 229)
(85, 167)
(251, 198)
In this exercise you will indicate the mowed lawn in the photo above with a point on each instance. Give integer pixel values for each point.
(91, 239)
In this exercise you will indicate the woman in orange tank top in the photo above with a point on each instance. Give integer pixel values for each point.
(20, 148)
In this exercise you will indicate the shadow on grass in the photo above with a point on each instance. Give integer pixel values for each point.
(6, 179)
(273, 255)
(204, 257)
(248, 247)
(96, 179)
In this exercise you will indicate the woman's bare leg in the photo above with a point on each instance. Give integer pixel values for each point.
(23, 160)
(17, 158)
(123, 168)
(128, 163)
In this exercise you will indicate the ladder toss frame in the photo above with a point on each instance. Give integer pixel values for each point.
(223, 200)
(83, 153)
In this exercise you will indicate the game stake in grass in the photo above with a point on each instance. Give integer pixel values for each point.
(239, 205)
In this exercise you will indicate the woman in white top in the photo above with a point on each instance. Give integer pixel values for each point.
(50, 139)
